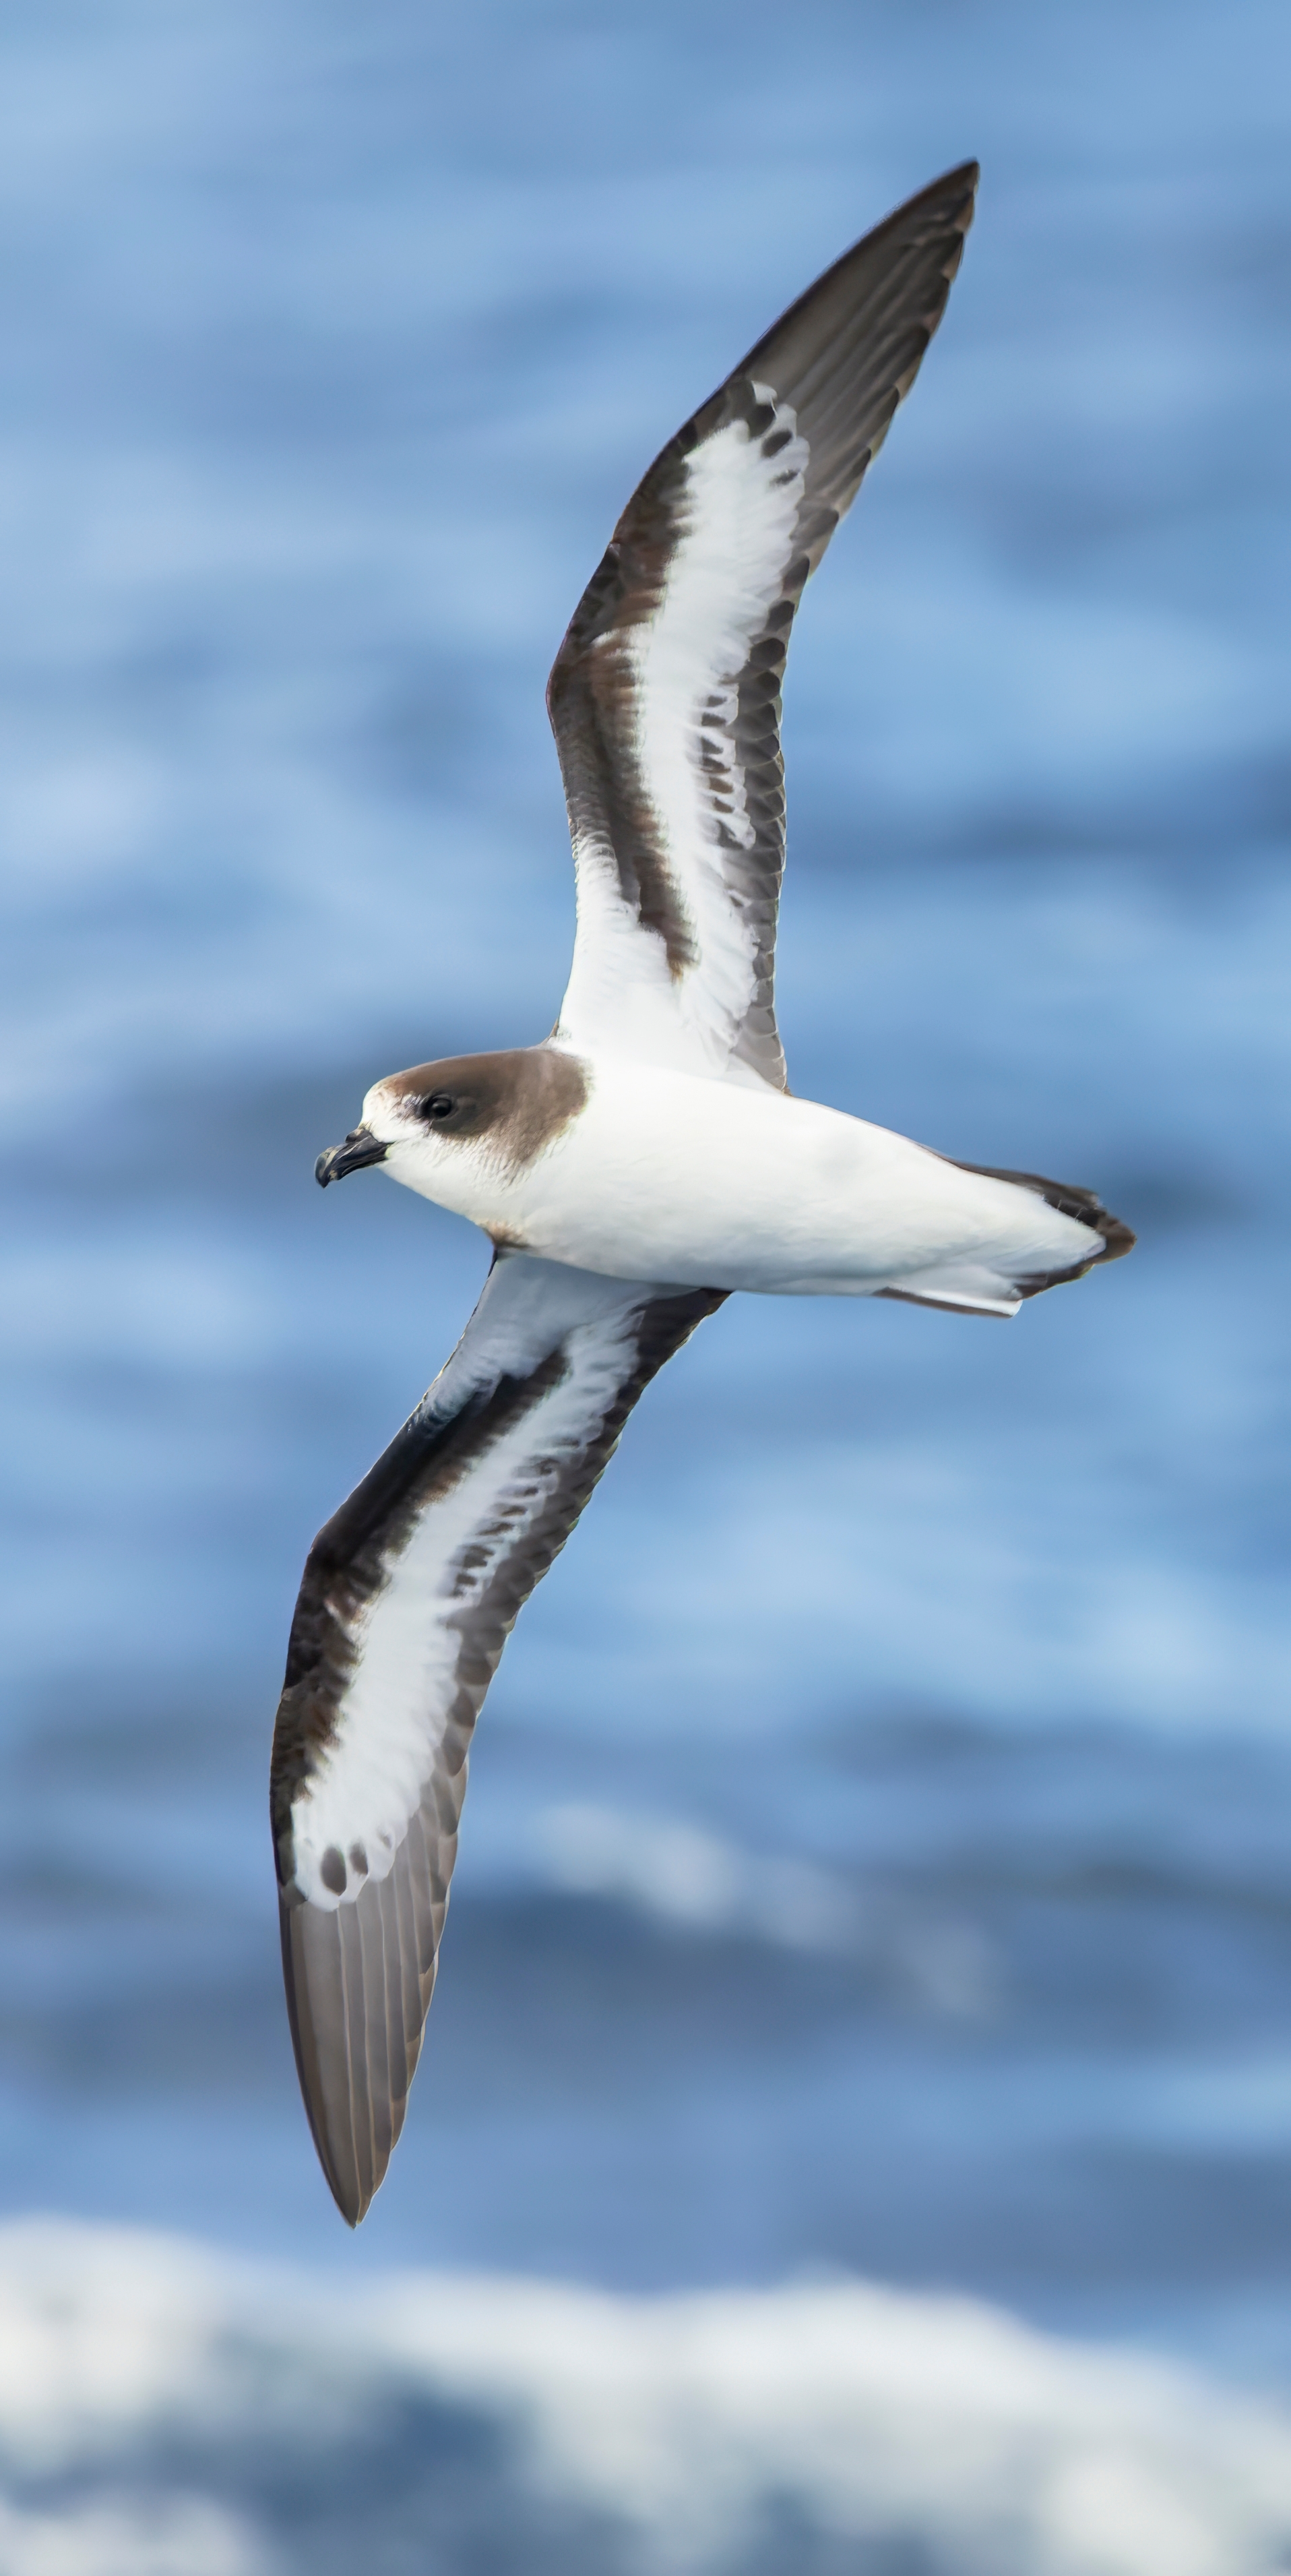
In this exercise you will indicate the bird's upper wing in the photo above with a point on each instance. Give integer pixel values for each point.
(408, 1598)
(665, 695)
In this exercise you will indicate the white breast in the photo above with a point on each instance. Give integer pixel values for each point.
(671, 1177)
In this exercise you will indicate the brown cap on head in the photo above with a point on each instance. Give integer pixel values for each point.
(520, 1099)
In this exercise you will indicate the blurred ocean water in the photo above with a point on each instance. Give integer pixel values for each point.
(875, 1865)
(177, 2414)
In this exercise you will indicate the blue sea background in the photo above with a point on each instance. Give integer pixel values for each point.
(876, 1858)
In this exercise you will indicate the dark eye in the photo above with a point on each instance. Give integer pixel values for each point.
(439, 1107)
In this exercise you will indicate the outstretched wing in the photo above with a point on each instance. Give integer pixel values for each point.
(408, 1598)
(665, 695)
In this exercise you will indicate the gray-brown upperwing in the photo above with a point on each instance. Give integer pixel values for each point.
(408, 1598)
(665, 695)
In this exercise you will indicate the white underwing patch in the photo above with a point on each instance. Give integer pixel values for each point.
(725, 576)
(737, 524)
(409, 1640)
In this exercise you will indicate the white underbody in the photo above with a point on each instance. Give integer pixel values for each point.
(671, 1177)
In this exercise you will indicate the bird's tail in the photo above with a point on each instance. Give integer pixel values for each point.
(975, 1289)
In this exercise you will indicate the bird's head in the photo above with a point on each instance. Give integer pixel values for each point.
(463, 1124)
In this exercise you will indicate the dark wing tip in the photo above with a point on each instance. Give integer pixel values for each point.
(844, 354)
(964, 176)
(951, 196)
(316, 2013)
(940, 214)
(356, 2005)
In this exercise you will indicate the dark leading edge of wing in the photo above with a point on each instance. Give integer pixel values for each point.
(419, 1578)
(841, 358)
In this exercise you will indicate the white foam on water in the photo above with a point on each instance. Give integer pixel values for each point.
(160, 2536)
(675, 1870)
(874, 2415)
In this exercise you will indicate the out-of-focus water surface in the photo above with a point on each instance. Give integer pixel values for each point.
(875, 1866)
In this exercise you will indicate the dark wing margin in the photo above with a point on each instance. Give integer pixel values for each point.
(697, 871)
(408, 1597)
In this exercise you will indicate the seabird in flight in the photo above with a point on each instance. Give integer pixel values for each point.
(634, 1169)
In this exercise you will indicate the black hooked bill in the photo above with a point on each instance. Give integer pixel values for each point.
(360, 1147)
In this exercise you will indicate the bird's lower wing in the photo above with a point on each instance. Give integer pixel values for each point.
(408, 1597)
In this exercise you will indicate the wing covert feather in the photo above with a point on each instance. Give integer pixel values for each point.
(408, 1597)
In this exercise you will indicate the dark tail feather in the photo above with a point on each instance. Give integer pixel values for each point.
(1084, 1205)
